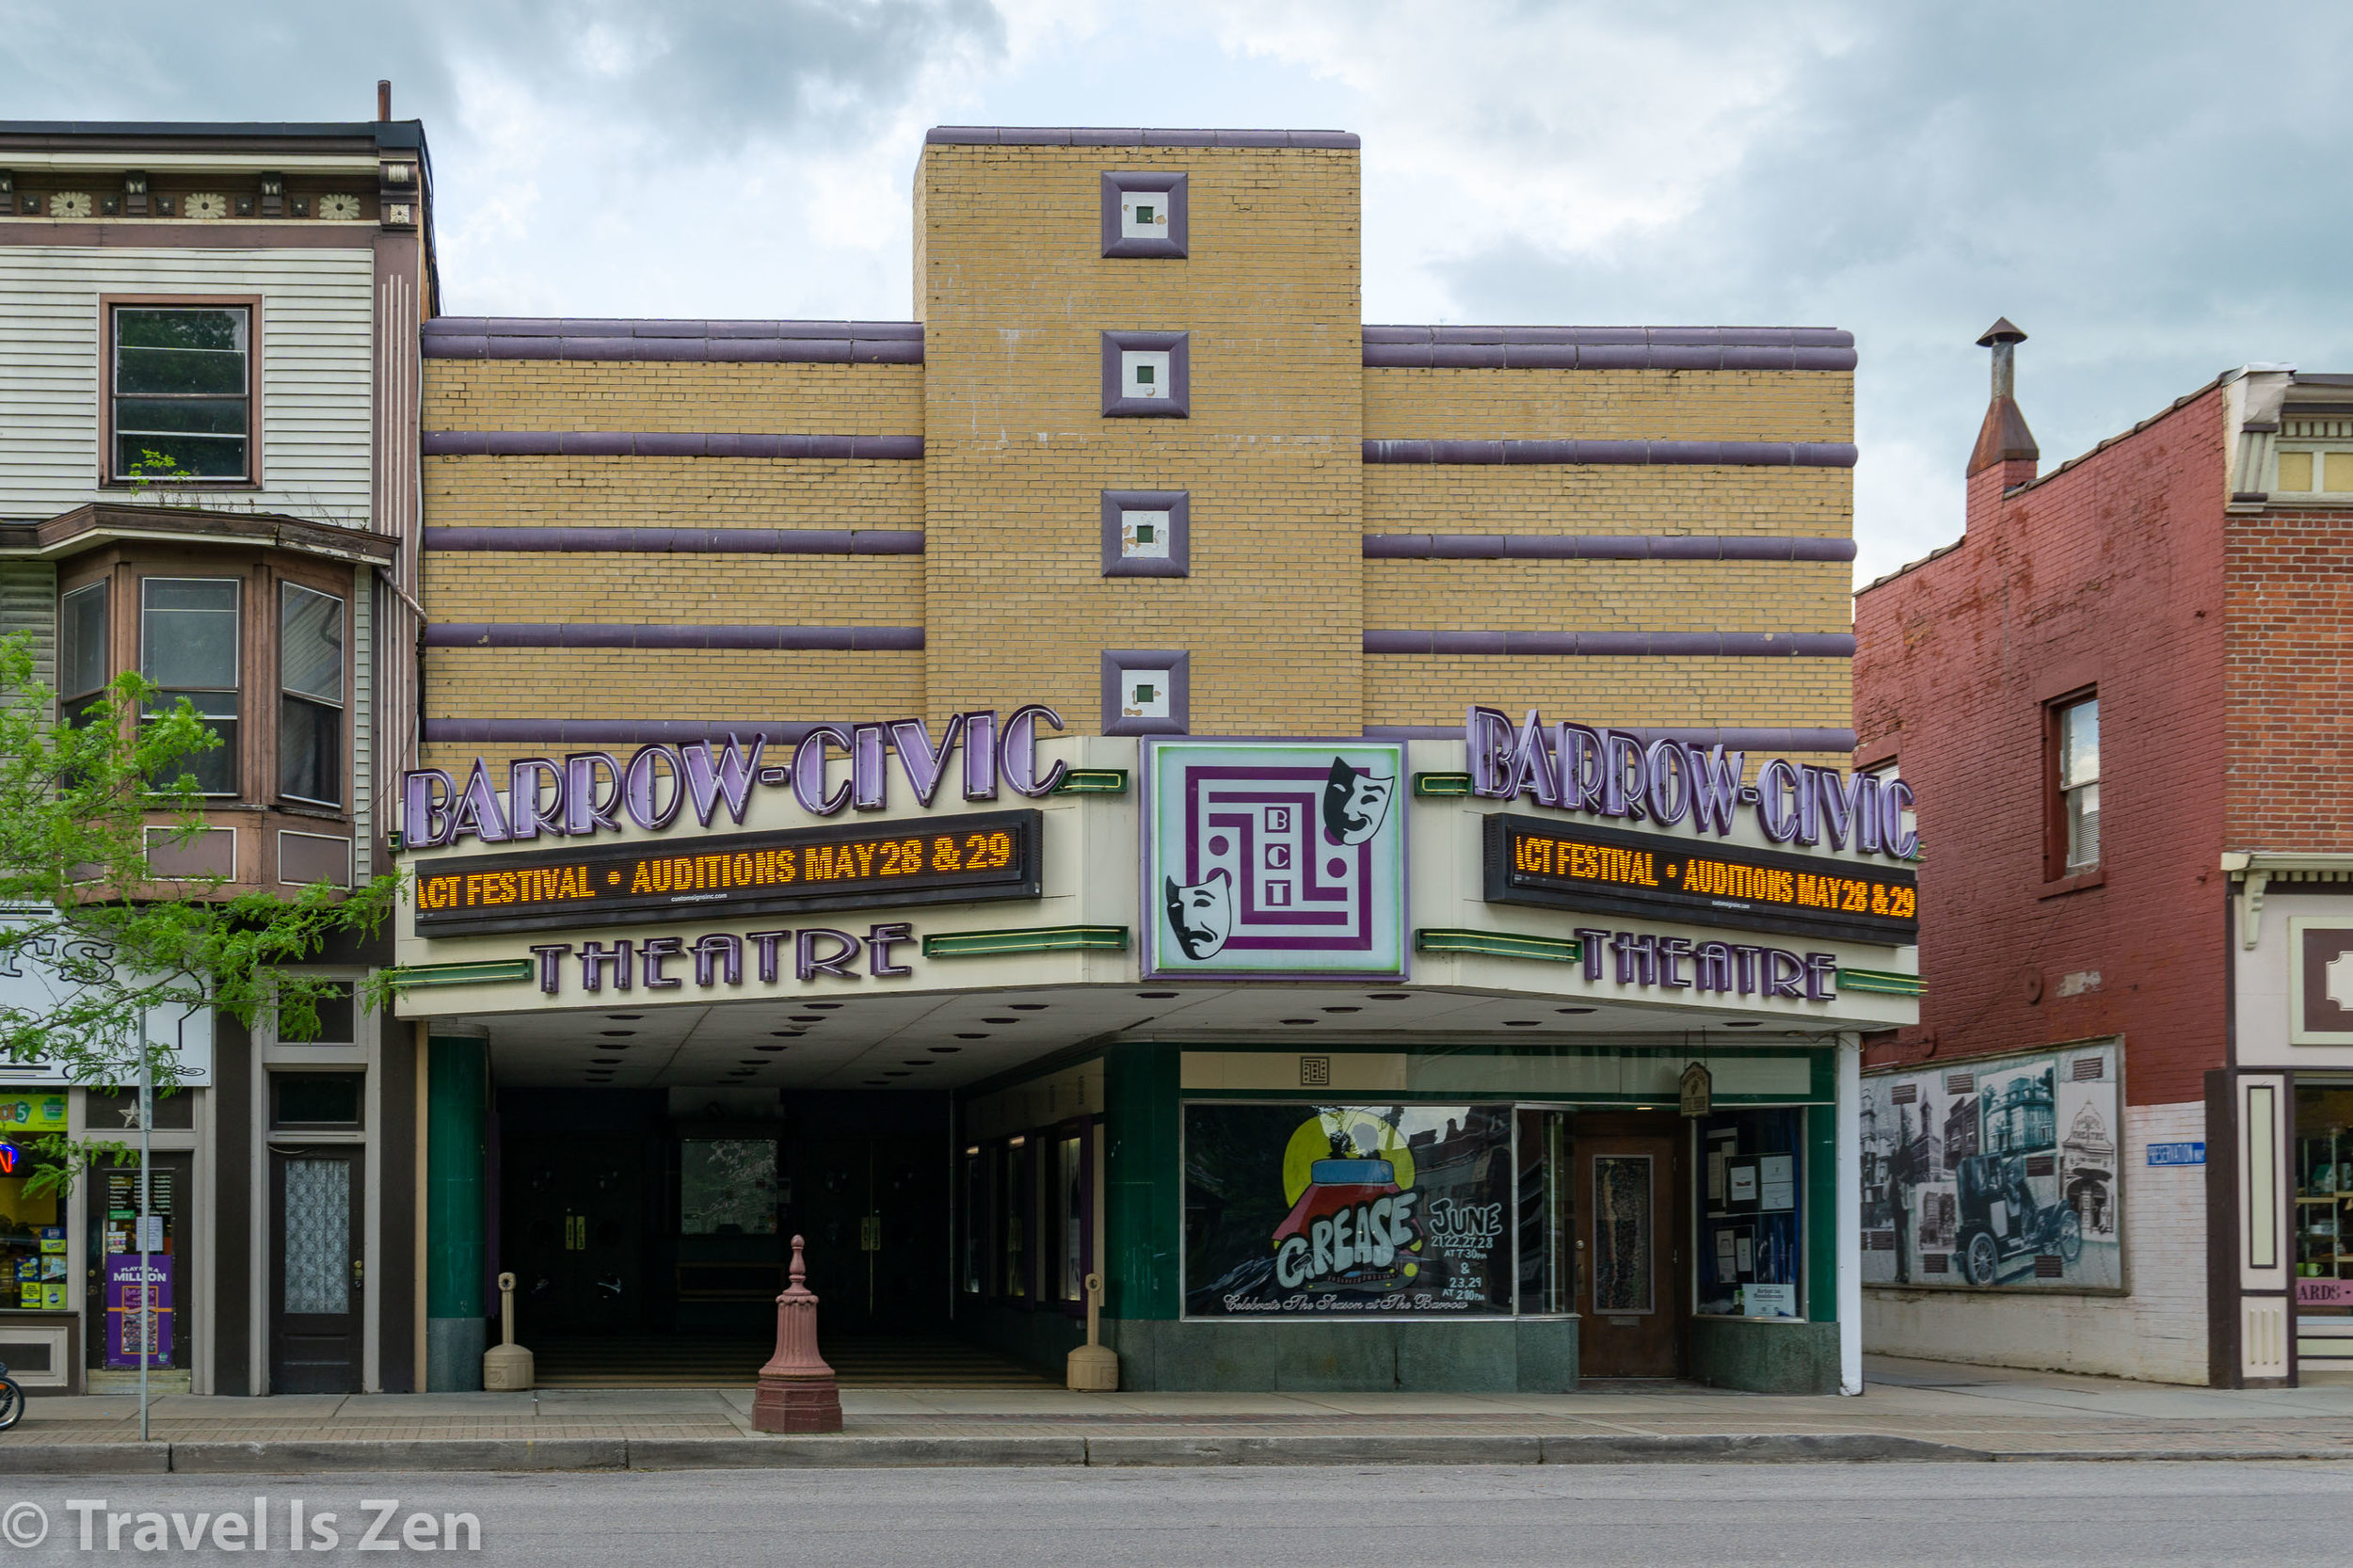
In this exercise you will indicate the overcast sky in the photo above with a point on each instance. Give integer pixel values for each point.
(2154, 191)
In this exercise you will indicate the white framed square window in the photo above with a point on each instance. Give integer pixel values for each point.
(1147, 375)
(1146, 215)
(1146, 691)
(1144, 535)
(1144, 373)
(1147, 534)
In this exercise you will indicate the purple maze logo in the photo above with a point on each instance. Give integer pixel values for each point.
(1277, 857)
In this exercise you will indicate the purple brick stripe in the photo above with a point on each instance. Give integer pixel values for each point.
(767, 638)
(861, 343)
(1731, 737)
(1701, 645)
(621, 443)
(683, 541)
(1610, 348)
(564, 733)
(1097, 135)
(1730, 453)
(1594, 547)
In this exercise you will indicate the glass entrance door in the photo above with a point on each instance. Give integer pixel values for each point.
(875, 1211)
(1631, 1306)
(316, 1275)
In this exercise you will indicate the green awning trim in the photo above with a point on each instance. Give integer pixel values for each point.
(1441, 785)
(490, 971)
(1500, 944)
(1884, 981)
(1094, 781)
(1035, 939)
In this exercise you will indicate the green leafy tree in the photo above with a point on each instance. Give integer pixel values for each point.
(99, 956)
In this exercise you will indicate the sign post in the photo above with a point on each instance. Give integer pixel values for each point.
(1698, 1090)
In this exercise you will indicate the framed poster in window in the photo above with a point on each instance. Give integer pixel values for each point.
(1300, 1208)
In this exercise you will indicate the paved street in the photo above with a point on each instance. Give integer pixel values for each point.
(1991, 1516)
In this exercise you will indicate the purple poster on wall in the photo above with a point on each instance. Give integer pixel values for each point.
(125, 1324)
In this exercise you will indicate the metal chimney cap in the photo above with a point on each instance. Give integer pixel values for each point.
(2003, 330)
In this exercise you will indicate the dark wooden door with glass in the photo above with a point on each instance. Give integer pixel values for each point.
(875, 1212)
(316, 1279)
(1630, 1241)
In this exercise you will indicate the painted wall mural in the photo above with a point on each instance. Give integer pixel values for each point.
(1274, 858)
(1995, 1174)
(1293, 1208)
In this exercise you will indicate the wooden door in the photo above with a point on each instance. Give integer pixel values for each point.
(317, 1280)
(1630, 1293)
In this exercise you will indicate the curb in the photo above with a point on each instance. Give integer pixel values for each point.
(830, 1452)
(316, 1454)
(1755, 1449)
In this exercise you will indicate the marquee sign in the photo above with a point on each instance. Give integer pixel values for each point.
(1559, 865)
(1610, 773)
(991, 855)
(589, 792)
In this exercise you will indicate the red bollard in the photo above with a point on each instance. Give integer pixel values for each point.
(797, 1391)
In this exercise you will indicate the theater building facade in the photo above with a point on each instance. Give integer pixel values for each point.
(1340, 831)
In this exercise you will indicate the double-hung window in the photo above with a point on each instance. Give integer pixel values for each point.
(310, 695)
(181, 393)
(2077, 827)
(81, 653)
(188, 648)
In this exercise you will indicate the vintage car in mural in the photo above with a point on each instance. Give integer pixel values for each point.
(2006, 1212)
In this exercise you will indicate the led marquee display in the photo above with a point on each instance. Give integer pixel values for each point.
(991, 854)
(1571, 866)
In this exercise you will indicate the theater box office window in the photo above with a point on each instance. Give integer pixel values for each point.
(1303, 1046)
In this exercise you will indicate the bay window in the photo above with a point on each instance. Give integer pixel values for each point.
(188, 648)
(311, 696)
(81, 653)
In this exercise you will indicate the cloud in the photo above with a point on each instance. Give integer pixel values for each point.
(2154, 196)
(1908, 173)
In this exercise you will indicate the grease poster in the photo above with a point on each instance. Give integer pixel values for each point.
(1296, 1208)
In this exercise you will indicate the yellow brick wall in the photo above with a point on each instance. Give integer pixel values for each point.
(1013, 290)
(1432, 689)
(733, 399)
(1607, 498)
(1016, 293)
(673, 492)
(1610, 404)
(1611, 596)
(624, 684)
(660, 589)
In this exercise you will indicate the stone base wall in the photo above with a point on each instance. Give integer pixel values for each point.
(1494, 1356)
(1764, 1358)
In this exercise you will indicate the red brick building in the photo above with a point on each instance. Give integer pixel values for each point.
(2112, 1143)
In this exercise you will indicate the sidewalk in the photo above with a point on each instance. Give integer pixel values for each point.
(1912, 1410)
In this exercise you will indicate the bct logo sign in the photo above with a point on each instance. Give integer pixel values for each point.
(1274, 858)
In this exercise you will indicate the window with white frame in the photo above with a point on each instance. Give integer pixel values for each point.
(2076, 830)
